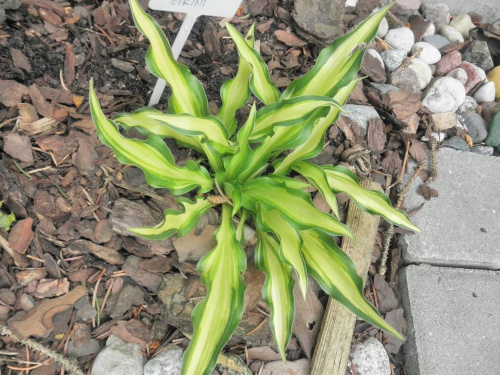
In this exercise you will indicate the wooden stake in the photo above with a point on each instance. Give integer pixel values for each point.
(334, 342)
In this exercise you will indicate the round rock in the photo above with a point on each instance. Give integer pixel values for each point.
(400, 38)
(450, 33)
(475, 75)
(494, 76)
(478, 53)
(448, 62)
(370, 358)
(406, 79)
(456, 143)
(422, 70)
(436, 40)
(168, 362)
(445, 95)
(478, 128)
(429, 53)
(483, 150)
(463, 24)
(406, 6)
(118, 358)
(383, 28)
(393, 58)
(486, 93)
(458, 74)
(469, 105)
(436, 12)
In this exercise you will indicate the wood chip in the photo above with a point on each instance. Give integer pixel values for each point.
(44, 125)
(376, 134)
(132, 331)
(157, 264)
(21, 235)
(42, 106)
(289, 39)
(51, 288)
(38, 322)
(11, 92)
(80, 247)
(20, 60)
(69, 65)
(18, 146)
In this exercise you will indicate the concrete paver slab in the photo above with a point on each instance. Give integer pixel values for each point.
(453, 320)
(461, 227)
(490, 10)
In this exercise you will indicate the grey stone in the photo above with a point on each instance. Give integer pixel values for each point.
(469, 105)
(436, 40)
(168, 362)
(370, 358)
(486, 93)
(383, 28)
(477, 126)
(451, 316)
(301, 366)
(406, 6)
(319, 21)
(386, 299)
(453, 35)
(400, 38)
(361, 114)
(10, 4)
(129, 296)
(483, 150)
(393, 58)
(429, 53)
(461, 226)
(490, 10)
(478, 54)
(463, 24)
(436, 12)
(459, 74)
(422, 70)
(456, 143)
(124, 66)
(406, 79)
(119, 358)
(84, 310)
(384, 88)
(445, 95)
(91, 347)
(2, 16)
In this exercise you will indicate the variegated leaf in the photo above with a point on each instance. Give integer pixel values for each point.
(313, 146)
(327, 72)
(295, 205)
(235, 92)
(317, 177)
(176, 222)
(216, 317)
(342, 180)
(336, 274)
(290, 242)
(260, 82)
(151, 155)
(277, 291)
(188, 95)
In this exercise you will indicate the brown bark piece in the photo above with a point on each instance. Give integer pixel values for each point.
(21, 235)
(11, 92)
(376, 134)
(132, 331)
(193, 246)
(289, 39)
(156, 264)
(18, 146)
(51, 288)
(26, 276)
(38, 322)
(42, 106)
(20, 60)
(69, 65)
(111, 256)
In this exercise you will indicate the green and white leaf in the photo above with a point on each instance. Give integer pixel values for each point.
(260, 82)
(336, 274)
(6, 220)
(176, 222)
(342, 180)
(288, 113)
(216, 317)
(317, 177)
(140, 120)
(188, 95)
(235, 92)
(295, 205)
(327, 71)
(313, 146)
(151, 155)
(277, 291)
(210, 128)
(290, 242)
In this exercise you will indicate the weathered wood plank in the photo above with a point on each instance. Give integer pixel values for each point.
(333, 346)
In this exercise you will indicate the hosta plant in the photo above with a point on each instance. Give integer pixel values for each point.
(244, 171)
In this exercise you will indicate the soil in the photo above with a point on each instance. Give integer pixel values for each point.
(80, 200)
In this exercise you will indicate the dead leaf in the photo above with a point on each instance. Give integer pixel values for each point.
(254, 280)
(132, 331)
(263, 27)
(392, 163)
(194, 246)
(18, 146)
(11, 92)
(289, 39)
(78, 100)
(38, 321)
(428, 192)
(417, 150)
(51, 288)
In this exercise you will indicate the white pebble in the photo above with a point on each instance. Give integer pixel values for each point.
(383, 28)
(431, 30)
(423, 72)
(393, 58)
(458, 74)
(451, 34)
(445, 95)
(429, 53)
(400, 38)
(486, 93)
(375, 54)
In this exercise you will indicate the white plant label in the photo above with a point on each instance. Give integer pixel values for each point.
(193, 9)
